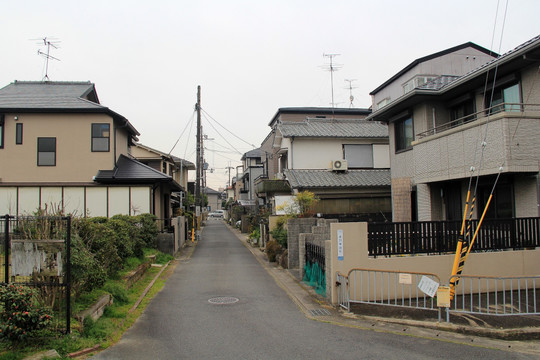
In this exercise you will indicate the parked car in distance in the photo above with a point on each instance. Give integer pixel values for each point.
(216, 214)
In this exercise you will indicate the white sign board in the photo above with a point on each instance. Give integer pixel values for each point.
(428, 286)
(405, 279)
(340, 244)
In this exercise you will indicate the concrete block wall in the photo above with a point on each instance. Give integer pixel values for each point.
(295, 227)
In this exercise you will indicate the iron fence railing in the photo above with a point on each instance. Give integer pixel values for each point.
(36, 253)
(437, 237)
(518, 295)
(506, 107)
(315, 254)
(384, 287)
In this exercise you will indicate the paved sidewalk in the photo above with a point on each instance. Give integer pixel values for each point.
(316, 308)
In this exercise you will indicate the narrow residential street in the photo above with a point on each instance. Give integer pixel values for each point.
(222, 304)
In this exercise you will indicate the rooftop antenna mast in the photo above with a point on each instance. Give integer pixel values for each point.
(332, 67)
(47, 55)
(351, 97)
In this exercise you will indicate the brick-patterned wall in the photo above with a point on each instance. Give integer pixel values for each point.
(526, 197)
(401, 199)
(295, 227)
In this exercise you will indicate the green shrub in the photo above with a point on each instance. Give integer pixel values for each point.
(99, 240)
(279, 233)
(147, 230)
(21, 316)
(87, 273)
(125, 238)
(255, 234)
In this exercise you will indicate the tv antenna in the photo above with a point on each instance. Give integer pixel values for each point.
(48, 42)
(351, 97)
(332, 67)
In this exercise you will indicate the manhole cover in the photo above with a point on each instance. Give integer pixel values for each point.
(319, 312)
(221, 300)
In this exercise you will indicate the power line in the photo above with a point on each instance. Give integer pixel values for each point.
(230, 132)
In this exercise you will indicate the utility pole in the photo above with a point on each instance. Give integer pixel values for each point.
(198, 202)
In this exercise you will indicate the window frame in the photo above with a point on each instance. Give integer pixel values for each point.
(399, 134)
(492, 107)
(351, 158)
(18, 134)
(93, 148)
(38, 151)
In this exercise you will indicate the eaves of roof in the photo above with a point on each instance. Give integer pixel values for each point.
(330, 179)
(430, 57)
(131, 171)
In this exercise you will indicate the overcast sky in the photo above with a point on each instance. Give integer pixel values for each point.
(251, 57)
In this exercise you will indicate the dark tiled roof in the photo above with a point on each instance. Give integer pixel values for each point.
(49, 95)
(334, 128)
(330, 179)
(130, 171)
(55, 96)
(255, 153)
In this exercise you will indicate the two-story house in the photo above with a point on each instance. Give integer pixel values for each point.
(345, 162)
(171, 165)
(480, 128)
(59, 147)
(252, 163)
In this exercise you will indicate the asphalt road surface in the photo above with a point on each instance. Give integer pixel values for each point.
(195, 316)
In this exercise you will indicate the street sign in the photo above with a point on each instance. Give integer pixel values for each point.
(340, 244)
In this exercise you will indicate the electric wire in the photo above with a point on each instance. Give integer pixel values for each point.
(213, 127)
(183, 131)
(230, 132)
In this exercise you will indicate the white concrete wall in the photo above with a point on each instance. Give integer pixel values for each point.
(77, 200)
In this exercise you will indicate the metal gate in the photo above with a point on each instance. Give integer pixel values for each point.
(36, 252)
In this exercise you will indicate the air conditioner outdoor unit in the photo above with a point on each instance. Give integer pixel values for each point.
(339, 165)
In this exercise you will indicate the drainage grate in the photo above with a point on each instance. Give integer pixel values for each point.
(319, 312)
(222, 300)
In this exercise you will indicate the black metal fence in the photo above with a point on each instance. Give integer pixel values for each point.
(315, 254)
(438, 237)
(36, 252)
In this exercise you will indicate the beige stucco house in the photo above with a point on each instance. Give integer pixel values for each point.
(335, 154)
(59, 147)
(481, 125)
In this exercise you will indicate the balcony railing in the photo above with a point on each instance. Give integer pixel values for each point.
(504, 107)
(439, 237)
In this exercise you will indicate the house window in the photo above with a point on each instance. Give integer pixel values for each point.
(502, 203)
(462, 113)
(46, 151)
(359, 156)
(19, 134)
(505, 98)
(2, 131)
(404, 134)
(100, 137)
(383, 103)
